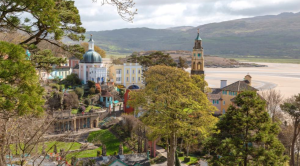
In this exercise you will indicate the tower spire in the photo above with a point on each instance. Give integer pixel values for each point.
(91, 43)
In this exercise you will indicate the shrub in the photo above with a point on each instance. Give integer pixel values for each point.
(91, 84)
(98, 153)
(87, 102)
(61, 87)
(81, 109)
(92, 90)
(115, 153)
(79, 92)
(54, 86)
(97, 91)
(180, 154)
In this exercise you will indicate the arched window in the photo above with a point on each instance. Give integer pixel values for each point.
(223, 111)
(198, 65)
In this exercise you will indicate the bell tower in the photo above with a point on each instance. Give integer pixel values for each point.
(198, 57)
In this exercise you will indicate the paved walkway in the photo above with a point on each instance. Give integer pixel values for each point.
(72, 134)
(163, 152)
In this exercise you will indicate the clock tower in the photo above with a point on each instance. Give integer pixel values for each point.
(198, 57)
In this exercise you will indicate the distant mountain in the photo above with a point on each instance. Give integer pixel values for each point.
(266, 36)
(182, 28)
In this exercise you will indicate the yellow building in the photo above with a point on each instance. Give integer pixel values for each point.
(198, 57)
(126, 74)
(223, 97)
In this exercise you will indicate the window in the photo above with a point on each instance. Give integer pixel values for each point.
(223, 102)
(118, 79)
(224, 92)
(217, 101)
(194, 54)
(118, 71)
(132, 71)
(139, 78)
(199, 55)
(223, 111)
(139, 72)
(127, 72)
(132, 78)
(127, 79)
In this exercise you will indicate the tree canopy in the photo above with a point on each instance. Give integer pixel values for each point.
(156, 58)
(20, 91)
(173, 103)
(246, 135)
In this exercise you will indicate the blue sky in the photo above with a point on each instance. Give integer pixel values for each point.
(161, 14)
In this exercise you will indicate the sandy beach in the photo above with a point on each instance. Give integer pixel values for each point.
(283, 77)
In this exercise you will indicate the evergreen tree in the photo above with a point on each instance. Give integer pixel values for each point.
(246, 135)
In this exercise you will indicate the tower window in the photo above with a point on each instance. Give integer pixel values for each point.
(199, 55)
(194, 54)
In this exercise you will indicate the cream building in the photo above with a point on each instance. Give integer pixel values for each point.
(91, 66)
(126, 74)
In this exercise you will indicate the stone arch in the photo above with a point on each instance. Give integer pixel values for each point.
(95, 123)
(194, 66)
(199, 65)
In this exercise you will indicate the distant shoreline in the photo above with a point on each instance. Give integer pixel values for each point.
(262, 60)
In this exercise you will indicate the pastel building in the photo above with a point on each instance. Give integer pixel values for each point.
(91, 66)
(224, 96)
(127, 74)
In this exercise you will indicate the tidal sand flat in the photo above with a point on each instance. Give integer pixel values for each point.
(281, 76)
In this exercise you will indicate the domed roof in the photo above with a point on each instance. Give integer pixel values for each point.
(91, 56)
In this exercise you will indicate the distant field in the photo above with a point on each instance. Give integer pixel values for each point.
(295, 61)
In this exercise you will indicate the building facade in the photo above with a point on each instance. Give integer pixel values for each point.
(127, 74)
(198, 57)
(91, 66)
(223, 97)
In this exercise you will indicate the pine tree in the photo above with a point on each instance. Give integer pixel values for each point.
(246, 135)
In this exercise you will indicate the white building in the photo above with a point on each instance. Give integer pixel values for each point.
(91, 66)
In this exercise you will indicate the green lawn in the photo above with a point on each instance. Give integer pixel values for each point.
(75, 111)
(269, 60)
(107, 138)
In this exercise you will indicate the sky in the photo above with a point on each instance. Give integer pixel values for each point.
(161, 14)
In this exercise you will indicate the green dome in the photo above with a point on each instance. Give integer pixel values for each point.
(91, 56)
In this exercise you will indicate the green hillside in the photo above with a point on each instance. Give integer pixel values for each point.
(265, 36)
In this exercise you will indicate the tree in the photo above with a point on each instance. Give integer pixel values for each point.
(246, 135)
(199, 81)
(92, 91)
(71, 80)
(91, 84)
(20, 92)
(71, 100)
(156, 58)
(124, 8)
(85, 45)
(44, 60)
(273, 99)
(172, 101)
(182, 63)
(79, 92)
(292, 108)
(60, 18)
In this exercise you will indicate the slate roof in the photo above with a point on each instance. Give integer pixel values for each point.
(214, 96)
(239, 86)
(105, 93)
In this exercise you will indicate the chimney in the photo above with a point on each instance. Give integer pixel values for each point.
(223, 83)
(248, 79)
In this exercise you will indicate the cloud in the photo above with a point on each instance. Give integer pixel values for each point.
(170, 13)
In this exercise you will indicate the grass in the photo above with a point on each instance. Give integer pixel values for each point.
(107, 138)
(75, 111)
(193, 159)
(295, 61)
